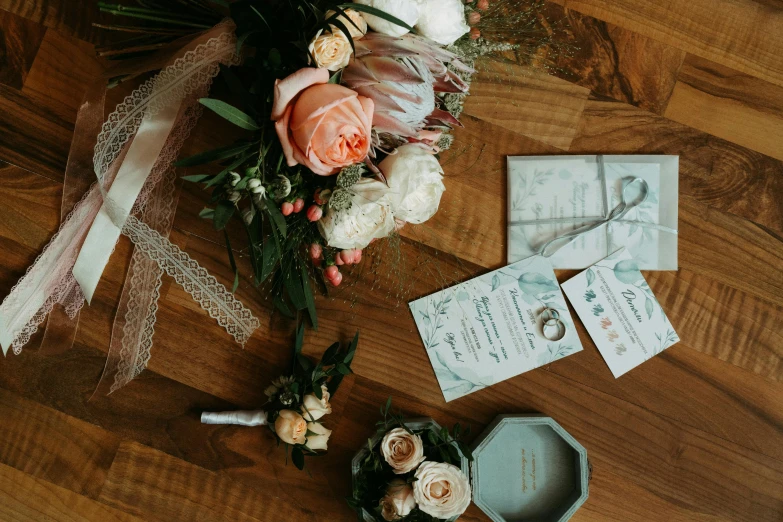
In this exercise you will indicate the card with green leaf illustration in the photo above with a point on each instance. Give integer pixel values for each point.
(620, 312)
(488, 329)
(550, 196)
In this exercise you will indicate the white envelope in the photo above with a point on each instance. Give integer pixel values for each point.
(569, 189)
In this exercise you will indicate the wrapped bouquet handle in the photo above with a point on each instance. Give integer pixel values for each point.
(239, 418)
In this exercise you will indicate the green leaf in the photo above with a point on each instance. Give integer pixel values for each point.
(590, 276)
(293, 286)
(330, 354)
(377, 12)
(309, 300)
(304, 362)
(318, 392)
(270, 256)
(299, 339)
(196, 178)
(278, 219)
(241, 39)
(207, 213)
(335, 78)
(232, 261)
(388, 406)
(213, 155)
(283, 307)
(223, 212)
(343, 369)
(297, 457)
(454, 454)
(231, 113)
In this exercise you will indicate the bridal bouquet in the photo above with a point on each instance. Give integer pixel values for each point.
(298, 402)
(344, 107)
(411, 470)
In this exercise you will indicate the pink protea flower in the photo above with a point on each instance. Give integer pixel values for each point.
(401, 75)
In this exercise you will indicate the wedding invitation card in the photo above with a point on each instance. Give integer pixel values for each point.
(620, 312)
(490, 328)
(550, 196)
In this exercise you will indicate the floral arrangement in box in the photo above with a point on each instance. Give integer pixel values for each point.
(411, 470)
(298, 402)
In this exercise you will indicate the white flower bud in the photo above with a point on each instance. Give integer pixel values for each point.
(235, 179)
(442, 21)
(415, 181)
(234, 196)
(248, 214)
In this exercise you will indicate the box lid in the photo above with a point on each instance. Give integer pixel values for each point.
(527, 467)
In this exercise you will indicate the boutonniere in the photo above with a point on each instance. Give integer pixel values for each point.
(298, 402)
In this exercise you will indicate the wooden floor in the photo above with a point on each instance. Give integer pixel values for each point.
(694, 434)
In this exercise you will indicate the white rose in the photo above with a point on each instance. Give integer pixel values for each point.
(415, 181)
(370, 217)
(331, 50)
(403, 451)
(406, 10)
(314, 408)
(398, 501)
(441, 489)
(359, 26)
(318, 436)
(442, 21)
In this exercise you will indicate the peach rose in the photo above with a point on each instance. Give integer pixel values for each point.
(291, 427)
(441, 489)
(402, 450)
(322, 126)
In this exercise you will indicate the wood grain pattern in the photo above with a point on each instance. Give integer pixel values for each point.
(731, 105)
(527, 102)
(741, 34)
(19, 41)
(618, 63)
(27, 499)
(695, 434)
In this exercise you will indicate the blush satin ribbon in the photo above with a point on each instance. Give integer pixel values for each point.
(134, 195)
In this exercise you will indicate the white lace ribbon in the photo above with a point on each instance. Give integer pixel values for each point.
(87, 237)
(118, 202)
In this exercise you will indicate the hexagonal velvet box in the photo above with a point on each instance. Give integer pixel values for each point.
(527, 467)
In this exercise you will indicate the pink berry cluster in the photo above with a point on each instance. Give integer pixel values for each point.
(332, 272)
(314, 212)
(288, 208)
(475, 17)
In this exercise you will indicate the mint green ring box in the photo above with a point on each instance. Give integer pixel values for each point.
(528, 468)
(525, 468)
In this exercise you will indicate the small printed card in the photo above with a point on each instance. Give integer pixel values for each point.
(620, 312)
(569, 189)
(489, 329)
